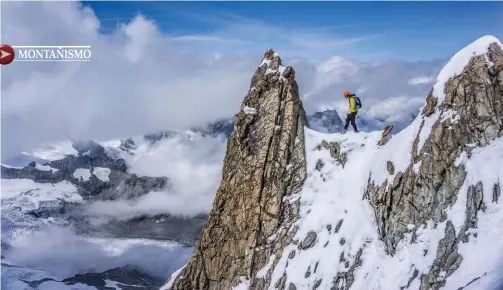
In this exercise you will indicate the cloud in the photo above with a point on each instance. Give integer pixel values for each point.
(240, 33)
(384, 88)
(62, 253)
(421, 80)
(194, 168)
(142, 80)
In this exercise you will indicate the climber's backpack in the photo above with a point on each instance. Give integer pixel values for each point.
(358, 102)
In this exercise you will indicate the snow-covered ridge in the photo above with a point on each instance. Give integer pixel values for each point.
(458, 62)
(399, 149)
(340, 224)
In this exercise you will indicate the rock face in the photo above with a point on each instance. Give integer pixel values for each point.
(470, 115)
(264, 164)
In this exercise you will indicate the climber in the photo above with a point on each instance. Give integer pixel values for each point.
(354, 104)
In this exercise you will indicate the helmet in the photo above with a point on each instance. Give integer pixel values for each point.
(346, 93)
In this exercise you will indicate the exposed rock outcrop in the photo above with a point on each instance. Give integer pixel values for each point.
(386, 131)
(252, 217)
(465, 113)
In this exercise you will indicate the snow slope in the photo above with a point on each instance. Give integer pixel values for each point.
(333, 207)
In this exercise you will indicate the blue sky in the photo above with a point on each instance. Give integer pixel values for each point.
(368, 31)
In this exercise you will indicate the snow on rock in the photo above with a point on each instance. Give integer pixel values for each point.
(343, 224)
(263, 272)
(458, 62)
(484, 252)
(453, 68)
(266, 62)
(102, 173)
(175, 274)
(398, 150)
(83, 173)
(244, 284)
(249, 110)
(45, 168)
(400, 146)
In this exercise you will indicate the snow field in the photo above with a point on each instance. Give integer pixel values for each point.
(34, 193)
(332, 199)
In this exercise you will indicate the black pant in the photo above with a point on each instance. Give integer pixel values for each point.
(351, 118)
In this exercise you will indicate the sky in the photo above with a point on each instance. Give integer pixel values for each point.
(172, 65)
(373, 31)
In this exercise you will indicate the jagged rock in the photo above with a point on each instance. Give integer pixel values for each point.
(447, 261)
(431, 104)
(344, 280)
(264, 162)
(338, 226)
(291, 255)
(414, 276)
(390, 167)
(319, 164)
(471, 115)
(309, 241)
(281, 282)
(384, 138)
(335, 151)
(496, 192)
(308, 273)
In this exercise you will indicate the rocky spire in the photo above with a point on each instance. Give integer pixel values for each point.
(464, 111)
(264, 165)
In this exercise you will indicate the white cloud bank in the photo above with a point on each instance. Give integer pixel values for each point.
(194, 169)
(62, 253)
(140, 80)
